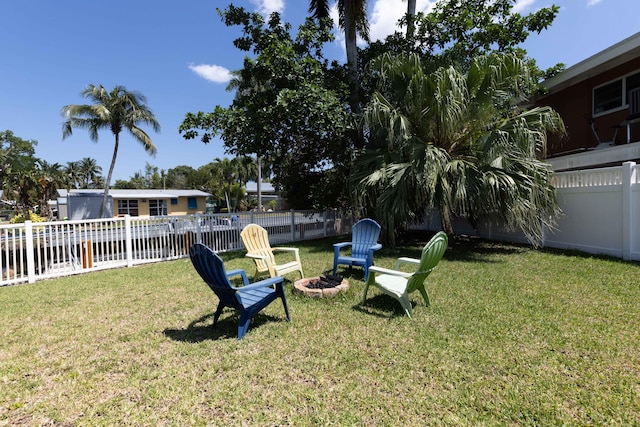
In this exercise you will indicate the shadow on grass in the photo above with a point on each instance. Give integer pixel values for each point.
(202, 329)
(381, 306)
(410, 244)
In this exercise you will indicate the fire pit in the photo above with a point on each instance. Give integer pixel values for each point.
(318, 287)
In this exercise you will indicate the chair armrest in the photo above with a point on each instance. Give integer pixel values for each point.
(341, 245)
(261, 284)
(389, 271)
(338, 246)
(256, 256)
(285, 249)
(376, 247)
(240, 272)
(407, 260)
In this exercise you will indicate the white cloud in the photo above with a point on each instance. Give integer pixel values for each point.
(522, 5)
(213, 73)
(265, 7)
(383, 20)
(386, 14)
(593, 2)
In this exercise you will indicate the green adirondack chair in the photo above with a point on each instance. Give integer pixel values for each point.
(399, 284)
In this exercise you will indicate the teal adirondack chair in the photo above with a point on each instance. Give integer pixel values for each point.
(399, 284)
(364, 241)
(248, 299)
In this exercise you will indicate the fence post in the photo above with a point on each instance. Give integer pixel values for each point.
(324, 223)
(31, 262)
(128, 240)
(198, 228)
(293, 225)
(627, 209)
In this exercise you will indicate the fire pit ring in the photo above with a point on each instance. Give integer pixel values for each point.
(301, 287)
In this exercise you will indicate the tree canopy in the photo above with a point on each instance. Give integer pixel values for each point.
(290, 107)
(456, 143)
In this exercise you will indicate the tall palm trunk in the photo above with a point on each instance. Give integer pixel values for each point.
(411, 13)
(352, 60)
(107, 182)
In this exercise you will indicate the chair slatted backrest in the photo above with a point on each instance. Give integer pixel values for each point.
(365, 233)
(211, 268)
(256, 240)
(431, 255)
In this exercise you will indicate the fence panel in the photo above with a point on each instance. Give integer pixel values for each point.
(34, 251)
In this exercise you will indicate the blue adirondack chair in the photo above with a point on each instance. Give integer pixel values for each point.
(364, 242)
(248, 299)
(399, 284)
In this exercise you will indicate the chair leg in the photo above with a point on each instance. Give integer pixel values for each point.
(216, 316)
(366, 289)
(425, 295)
(406, 304)
(280, 291)
(243, 324)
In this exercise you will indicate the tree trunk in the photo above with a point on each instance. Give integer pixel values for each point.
(350, 39)
(411, 13)
(445, 218)
(107, 182)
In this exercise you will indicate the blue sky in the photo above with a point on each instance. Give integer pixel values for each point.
(178, 55)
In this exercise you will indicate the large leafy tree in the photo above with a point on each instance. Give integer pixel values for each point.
(18, 166)
(290, 108)
(16, 154)
(454, 32)
(457, 31)
(115, 110)
(456, 142)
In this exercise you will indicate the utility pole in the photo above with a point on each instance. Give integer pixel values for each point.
(259, 184)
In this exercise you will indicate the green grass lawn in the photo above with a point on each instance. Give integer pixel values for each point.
(514, 336)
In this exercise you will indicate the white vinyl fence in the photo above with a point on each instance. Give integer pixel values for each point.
(35, 251)
(601, 214)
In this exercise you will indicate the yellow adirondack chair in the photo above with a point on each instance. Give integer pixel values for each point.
(256, 241)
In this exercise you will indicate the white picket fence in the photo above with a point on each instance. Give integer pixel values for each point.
(36, 251)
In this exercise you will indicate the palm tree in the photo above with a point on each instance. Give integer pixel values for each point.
(90, 171)
(48, 177)
(116, 110)
(411, 13)
(352, 15)
(456, 143)
(73, 175)
(23, 185)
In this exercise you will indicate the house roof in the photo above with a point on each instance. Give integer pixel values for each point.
(136, 194)
(607, 59)
(265, 187)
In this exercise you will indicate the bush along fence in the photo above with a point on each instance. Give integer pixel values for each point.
(41, 250)
(600, 214)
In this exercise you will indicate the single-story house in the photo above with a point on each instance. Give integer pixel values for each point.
(267, 194)
(598, 99)
(85, 204)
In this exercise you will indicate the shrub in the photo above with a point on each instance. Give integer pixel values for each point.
(29, 216)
